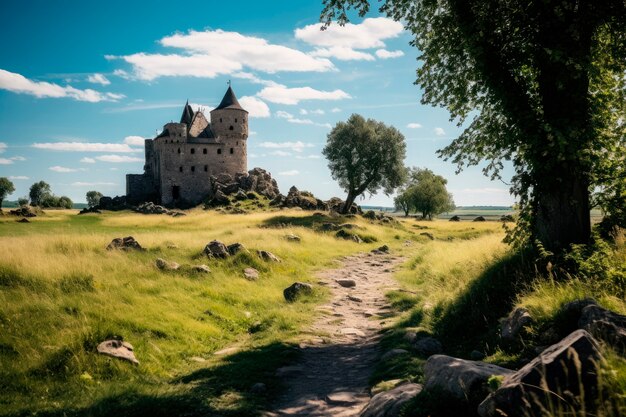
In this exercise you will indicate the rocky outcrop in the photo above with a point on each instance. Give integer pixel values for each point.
(165, 265)
(242, 186)
(296, 290)
(561, 377)
(118, 349)
(234, 248)
(151, 208)
(380, 216)
(23, 211)
(124, 243)
(216, 249)
(336, 204)
(514, 323)
(113, 203)
(462, 379)
(390, 403)
(605, 325)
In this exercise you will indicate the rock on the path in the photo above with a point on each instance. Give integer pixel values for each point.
(351, 331)
(393, 353)
(546, 380)
(390, 403)
(295, 290)
(355, 299)
(381, 251)
(341, 398)
(459, 378)
(427, 346)
(235, 248)
(514, 323)
(216, 249)
(124, 243)
(346, 283)
(202, 269)
(267, 256)
(251, 274)
(118, 349)
(605, 324)
(164, 265)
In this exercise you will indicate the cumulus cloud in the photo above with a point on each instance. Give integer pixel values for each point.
(118, 158)
(280, 153)
(385, 54)
(18, 158)
(18, 177)
(291, 119)
(214, 52)
(57, 168)
(92, 184)
(3, 147)
(368, 34)
(134, 140)
(256, 107)
(289, 173)
(318, 111)
(5, 161)
(85, 147)
(439, 131)
(335, 110)
(297, 146)
(17, 83)
(283, 95)
(98, 79)
(308, 157)
(343, 53)
(414, 125)
(87, 160)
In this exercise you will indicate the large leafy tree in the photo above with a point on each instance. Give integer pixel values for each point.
(6, 188)
(93, 198)
(39, 192)
(538, 82)
(365, 155)
(428, 194)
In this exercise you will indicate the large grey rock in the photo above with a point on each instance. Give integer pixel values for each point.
(553, 379)
(118, 349)
(295, 290)
(427, 346)
(219, 199)
(267, 256)
(165, 265)
(216, 249)
(124, 243)
(514, 323)
(390, 403)
(201, 269)
(235, 248)
(459, 378)
(604, 324)
(251, 274)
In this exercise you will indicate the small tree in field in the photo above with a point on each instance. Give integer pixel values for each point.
(365, 155)
(65, 202)
(428, 193)
(403, 201)
(93, 198)
(6, 188)
(39, 192)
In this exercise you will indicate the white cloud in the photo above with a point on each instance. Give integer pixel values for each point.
(414, 125)
(214, 52)
(252, 78)
(134, 140)
(308, 157)
(84, 147)
(343, 53)
(5, 161)
(256, 108)
(280, 153)
(92, 184)
(98, 79)
(3, 147)
(318, 111)
(297, 146)
(439, 131)
(87, 160)
(118, 158)
(18, 177)
(283, 95)
(335, 110)
(368, 34)
(252, 133)
(289, 173)
(291, 119)
(284, 115)
(301, 121)
(19, 84)
(385, 54)
(57, 168)
(119, 72)
(18, 158)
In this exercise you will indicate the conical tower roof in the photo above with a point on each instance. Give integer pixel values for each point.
(187, 116)
(230, 101)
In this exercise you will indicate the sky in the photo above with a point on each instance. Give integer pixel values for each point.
(83, 83)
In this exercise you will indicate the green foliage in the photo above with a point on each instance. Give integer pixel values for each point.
(6, 188)
(365, 155)
(426, 193)
(52, 201)
(93, 198)
(39, 191)
(22, 201)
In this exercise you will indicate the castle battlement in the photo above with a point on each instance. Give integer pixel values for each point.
(182, 158)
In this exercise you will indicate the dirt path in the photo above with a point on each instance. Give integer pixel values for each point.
(331, 376)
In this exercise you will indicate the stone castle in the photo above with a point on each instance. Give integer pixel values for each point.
(182, 159)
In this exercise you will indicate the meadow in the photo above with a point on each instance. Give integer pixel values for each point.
(62, 293)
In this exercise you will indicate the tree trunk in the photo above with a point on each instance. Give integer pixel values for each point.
(562, 214)
(348, 203)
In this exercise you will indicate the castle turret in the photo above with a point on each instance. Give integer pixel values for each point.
(229, 120)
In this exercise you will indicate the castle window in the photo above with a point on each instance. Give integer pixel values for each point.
(180, 169)
(231, 128)
(220, 120)
(219, 151)
(206, 168)
(237, 143)
(193, 150)
(193, 169)
(235, 120)
(178, 150)
(232, 151)
(204, 151)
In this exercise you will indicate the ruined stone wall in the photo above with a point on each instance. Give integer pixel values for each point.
(139, 188)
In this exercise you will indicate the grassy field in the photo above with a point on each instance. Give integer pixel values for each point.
(62, 292)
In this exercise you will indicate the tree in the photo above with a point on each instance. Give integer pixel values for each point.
(543, 84)
(6, 188)
(93, 198)
(39, 191)
(22, 201)
(365, 155)
(65, 202)
(426, 193)
(403, 201)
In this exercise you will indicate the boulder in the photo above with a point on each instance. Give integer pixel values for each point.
(88, 210)
(216, 249)
(292, 238)
(329, 227)
(118, 349)
(24, 211)
(297, 289)
(427, 346)
(151, 208)
(201, 269)
(124, 243)
(553, 380)
(343, 234)
(267, 256)
(514, 323)
(459, 378)
(23, 220)
(240, 195)
(235, 248)
(164, 265)
(251, 274)
(346, 283)
(479, 219)
(370, 214)
(394, 353)
(390, 403)
(219, 199)
(116, 203)
(455, 219)
(605, 325)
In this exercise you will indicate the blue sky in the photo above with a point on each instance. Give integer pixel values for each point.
(81, 83)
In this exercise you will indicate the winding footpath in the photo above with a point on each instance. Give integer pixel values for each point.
(331, 376)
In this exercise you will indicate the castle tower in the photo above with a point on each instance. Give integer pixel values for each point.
(229, 123)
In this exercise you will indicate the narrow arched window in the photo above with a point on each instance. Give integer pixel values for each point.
(193, 150)
(231, 128)
(180, 169)
(206, 168)
(219, 151)
(178, 150)
(232, 150)
(204, 151)
(193, 169)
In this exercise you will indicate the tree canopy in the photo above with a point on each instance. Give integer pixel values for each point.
(39, 191)
(93, 198)
(426, 193)
(365, 155)
(6, 188)
(538, 83)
